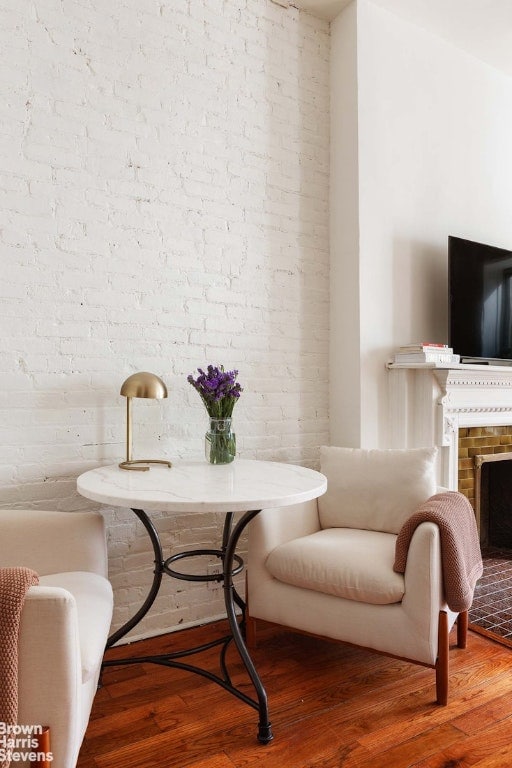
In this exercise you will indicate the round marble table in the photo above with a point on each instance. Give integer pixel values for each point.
(246, 486)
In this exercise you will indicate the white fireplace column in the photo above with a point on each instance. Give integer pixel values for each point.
(429, 403)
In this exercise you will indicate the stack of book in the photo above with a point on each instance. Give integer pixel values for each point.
(425, 352)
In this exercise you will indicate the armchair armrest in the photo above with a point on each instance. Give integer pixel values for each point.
(49, 668)
(278, 525)
(53, 541)
(424, 566)
(273, 527)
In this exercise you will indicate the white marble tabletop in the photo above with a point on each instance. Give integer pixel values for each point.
(198, 486)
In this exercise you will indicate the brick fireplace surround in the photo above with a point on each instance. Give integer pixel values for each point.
(479, 442)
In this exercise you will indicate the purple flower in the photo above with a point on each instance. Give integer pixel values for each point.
(218, 389)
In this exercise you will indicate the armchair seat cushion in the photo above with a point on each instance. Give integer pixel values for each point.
(92, 595)
(350, 563)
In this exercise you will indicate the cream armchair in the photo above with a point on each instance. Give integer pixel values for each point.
(64, 622)
(325, 566)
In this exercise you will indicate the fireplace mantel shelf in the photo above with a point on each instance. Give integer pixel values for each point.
(466, 367)
(430, 402)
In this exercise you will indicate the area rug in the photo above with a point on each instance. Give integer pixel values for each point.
(491, 612)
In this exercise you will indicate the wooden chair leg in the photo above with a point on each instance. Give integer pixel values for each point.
(44, 756)
(250, 623)
(442, 659)
(250, 631)
(462, 629)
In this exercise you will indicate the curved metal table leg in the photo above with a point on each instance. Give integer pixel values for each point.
(226, 533)
(230, 597)
(155, 586)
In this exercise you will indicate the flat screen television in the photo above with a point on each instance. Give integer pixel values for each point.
(480, 304)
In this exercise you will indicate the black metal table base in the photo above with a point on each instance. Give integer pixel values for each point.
(232, 564)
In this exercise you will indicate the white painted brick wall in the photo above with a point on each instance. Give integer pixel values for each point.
(163, 205)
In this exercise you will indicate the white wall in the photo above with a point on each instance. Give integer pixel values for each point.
(345, 341)
(434, 158)
(163, 205)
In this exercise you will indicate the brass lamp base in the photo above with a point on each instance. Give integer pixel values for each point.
(133, 464)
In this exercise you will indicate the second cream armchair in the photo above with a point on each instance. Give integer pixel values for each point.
(325, 567)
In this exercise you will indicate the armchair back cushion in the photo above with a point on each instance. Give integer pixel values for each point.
(374, 489)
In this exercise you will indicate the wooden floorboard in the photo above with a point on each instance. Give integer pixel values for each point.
(331, 706)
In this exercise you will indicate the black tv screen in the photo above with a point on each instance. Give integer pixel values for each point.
(480, 311)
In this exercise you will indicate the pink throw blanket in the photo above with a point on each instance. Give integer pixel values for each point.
(460, 546)
(14, 584)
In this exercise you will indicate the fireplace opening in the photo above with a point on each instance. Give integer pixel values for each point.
(493, 496)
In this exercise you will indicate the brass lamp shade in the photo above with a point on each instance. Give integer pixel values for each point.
(143, 385)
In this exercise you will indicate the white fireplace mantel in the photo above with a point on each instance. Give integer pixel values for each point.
(430, 402)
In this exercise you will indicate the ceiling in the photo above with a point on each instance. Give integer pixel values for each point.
(324, 9)
(480, 27)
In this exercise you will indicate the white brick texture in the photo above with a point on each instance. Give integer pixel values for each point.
(163, 205)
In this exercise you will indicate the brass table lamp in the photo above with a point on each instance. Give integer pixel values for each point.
(140, 385)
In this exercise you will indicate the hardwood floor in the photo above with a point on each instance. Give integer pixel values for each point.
(331, 706)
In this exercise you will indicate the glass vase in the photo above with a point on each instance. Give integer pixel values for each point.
(220, 442)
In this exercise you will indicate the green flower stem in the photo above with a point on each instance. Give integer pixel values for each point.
(220, 442)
